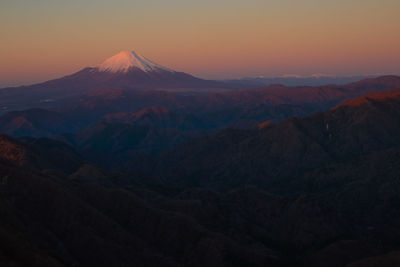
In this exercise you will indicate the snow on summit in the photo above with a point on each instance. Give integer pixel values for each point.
(125, 60)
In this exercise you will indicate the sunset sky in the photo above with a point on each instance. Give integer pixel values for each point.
(45, 39)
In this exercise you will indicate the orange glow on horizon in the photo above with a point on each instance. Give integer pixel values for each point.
(212, 40)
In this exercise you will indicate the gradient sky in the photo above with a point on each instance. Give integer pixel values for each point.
(45, 39)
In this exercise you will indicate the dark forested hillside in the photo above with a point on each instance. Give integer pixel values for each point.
(294, 146)
(157, 185)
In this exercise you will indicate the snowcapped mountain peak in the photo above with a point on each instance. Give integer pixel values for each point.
(125, 60)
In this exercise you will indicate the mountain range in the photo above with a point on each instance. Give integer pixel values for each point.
(120, 165)
(125, 70)
(306, 80)
(242, 108)
(314, 191)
